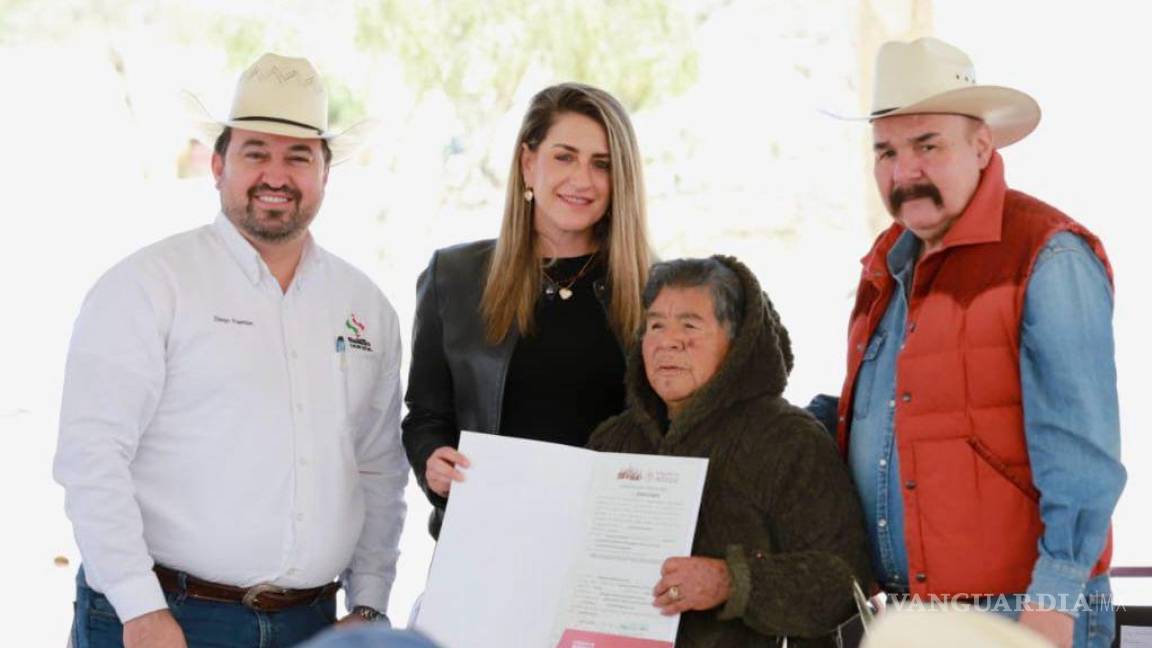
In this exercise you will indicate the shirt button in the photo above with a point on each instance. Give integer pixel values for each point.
(882, 523)
(299, 517)
(910, 484)
(892, 403)
(841, 419)
(303, 461)
(299, 407)
(860, 346)
(912, 327)
(883, 462)
(907, 397)
(294, 354)
(921, 577)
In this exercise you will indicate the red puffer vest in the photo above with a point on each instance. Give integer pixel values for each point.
(972, 517)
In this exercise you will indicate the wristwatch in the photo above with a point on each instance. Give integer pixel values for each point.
(368, 614)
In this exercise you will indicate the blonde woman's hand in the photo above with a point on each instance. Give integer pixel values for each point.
(443, 468)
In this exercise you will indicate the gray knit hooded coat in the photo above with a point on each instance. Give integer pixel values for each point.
(778, 507)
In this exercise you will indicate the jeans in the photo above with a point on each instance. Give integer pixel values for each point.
(373, 635)
(205, 623)
(1096, 624)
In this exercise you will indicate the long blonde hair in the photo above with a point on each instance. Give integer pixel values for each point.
(514, 274)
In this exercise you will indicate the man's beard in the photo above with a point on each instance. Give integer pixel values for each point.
(900, 195)
(278, 225)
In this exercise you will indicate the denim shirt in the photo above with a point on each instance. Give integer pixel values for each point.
(872, 453)
(1071, 417)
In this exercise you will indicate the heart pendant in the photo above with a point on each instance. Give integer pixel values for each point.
(565, 294)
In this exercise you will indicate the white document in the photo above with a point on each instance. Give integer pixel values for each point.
(1135, 637)
(545, 545)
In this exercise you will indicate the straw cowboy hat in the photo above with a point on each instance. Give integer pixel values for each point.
(281, 96)
(928, 75)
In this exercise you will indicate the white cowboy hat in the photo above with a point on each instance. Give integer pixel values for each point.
(928, 75)
(281, 96)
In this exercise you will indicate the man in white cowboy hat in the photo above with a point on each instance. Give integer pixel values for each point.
(229, 434)
(979, 415)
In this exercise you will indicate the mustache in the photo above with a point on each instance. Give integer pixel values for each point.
(900, 195)
(294, 194)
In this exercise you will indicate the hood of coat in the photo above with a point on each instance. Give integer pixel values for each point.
(757, 365)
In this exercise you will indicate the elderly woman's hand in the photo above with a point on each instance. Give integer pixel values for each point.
(691, 584)
(443, 468)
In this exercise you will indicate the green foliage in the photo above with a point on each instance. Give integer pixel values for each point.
(477, 53)
(9, 10)
(244, 41)
(345, 105)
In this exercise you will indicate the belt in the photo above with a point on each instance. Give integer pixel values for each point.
(264, 597)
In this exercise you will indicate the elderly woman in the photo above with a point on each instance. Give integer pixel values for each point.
(780, 536)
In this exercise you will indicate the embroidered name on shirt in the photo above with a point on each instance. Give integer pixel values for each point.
(231, 320)
(357, 340)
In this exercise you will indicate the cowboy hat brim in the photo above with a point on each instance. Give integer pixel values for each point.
(1010, 114)
(343, 144)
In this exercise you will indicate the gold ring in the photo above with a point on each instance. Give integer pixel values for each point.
(674, 592)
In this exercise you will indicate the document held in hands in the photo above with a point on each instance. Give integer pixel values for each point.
(555, 546)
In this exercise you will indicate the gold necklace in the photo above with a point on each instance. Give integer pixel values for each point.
(565, 289)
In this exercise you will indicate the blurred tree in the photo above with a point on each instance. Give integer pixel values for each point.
(478, 55)
(481, 51)
(475, 55)
(242, 29)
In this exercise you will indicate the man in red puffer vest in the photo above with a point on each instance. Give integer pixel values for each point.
(979, 415)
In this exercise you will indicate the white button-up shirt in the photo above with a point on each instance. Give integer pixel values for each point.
(216, 424)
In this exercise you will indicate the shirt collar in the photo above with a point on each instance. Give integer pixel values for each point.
(902, 256)
(982, 220)
(310, 258)
(248, 257)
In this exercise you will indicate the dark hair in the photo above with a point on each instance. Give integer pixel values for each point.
(725, 287)
(225, 137)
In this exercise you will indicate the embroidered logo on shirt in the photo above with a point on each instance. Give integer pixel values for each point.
(356, 339)
(231, 320)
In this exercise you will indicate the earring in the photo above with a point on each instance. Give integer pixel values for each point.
(528, 195)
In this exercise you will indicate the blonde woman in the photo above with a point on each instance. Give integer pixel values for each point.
(525, 336)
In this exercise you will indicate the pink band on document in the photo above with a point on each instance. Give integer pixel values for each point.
(586, 639)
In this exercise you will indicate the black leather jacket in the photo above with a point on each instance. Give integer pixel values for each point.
(456, 380)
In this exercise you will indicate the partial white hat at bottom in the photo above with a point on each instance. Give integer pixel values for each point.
(949, 628)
